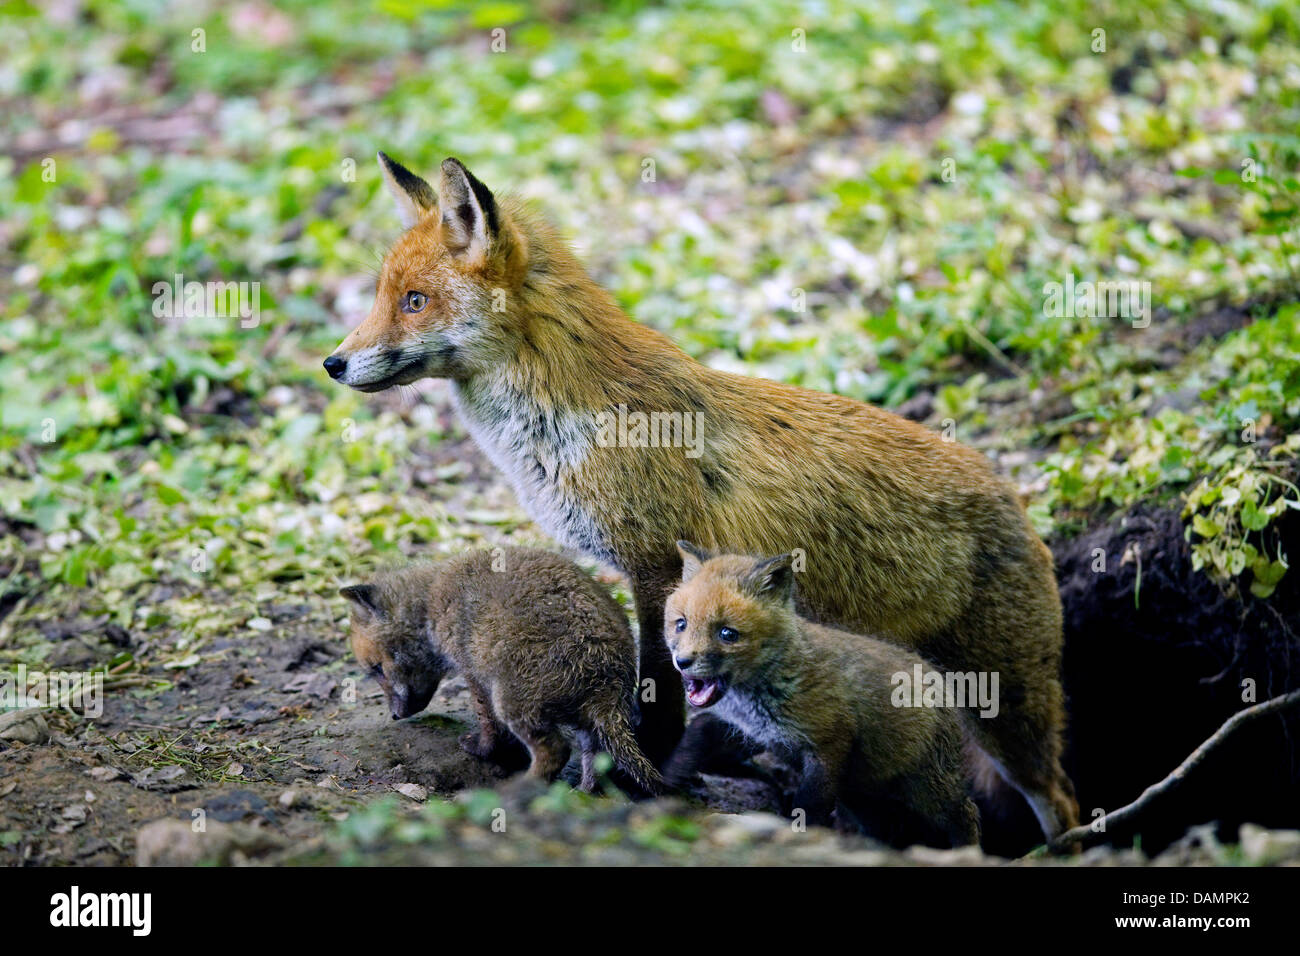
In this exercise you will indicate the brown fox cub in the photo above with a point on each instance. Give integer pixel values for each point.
(902, 534)
(546, 652)
(819, 698)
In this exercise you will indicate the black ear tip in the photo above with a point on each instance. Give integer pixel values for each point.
(360, 593)
(452, 166)
(404, 176)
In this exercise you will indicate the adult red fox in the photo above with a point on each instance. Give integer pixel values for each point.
(619, 444)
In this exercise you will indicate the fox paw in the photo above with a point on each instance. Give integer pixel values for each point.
(474, 745)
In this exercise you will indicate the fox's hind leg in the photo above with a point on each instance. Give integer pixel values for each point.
(663, 717)
(1025, 753)
(547, 747)
(1013, 632)
(586, 742)
(963, 823)
(932, 806)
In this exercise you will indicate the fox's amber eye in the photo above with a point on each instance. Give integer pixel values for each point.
(415, 302)
(728, 635)
(681, 624)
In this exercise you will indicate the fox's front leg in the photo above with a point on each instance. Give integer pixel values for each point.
(485, 742)
(708, 745)
(815, 795)
(662, 701)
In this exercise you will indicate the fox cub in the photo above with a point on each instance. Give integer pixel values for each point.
(819, 698)
(546, 652)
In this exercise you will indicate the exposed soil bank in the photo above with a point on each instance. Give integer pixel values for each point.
(1156, 659)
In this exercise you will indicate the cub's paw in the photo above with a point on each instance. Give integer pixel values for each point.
(474, 745)
(680, 777)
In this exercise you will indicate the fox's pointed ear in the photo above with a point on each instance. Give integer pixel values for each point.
(364, 598)
(469, 212)
(414, 197)
(693, 557)
(773, 577)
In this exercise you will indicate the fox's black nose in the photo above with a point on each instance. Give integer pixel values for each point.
(336, 366)
(683, 662)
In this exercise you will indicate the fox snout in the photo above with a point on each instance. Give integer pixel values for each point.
(377, 367)
(336, 365)
(406, 702)
(696, 663)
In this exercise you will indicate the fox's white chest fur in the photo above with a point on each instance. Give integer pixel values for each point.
(742, 711)
(758, 717)
(539, 451)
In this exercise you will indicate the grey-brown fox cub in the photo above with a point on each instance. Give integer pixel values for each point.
(821, 699)
(546, 652)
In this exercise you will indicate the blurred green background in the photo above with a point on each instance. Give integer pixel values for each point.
(916, 172)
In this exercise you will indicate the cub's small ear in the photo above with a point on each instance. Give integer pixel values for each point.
(773, 577)
(364, 598)
(470, 220)
(693, 557)
(414, 197)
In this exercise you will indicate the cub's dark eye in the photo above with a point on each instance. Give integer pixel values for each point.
(415, 302)
(681, 624)
(377, 672)
(728, 635)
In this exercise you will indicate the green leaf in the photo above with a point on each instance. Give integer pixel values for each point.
(169, 495)
(1205, 527)
(1268, 572)
(1262, 590)
(1252, 518)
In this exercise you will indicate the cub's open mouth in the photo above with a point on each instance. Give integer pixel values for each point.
(703, 692)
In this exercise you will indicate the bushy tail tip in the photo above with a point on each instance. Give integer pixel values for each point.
(617, 739)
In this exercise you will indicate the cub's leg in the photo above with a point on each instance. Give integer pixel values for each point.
(942, 806)
(964, 824)
(587, 745)
(547, 747)
(709, 745)
(815, 795)
(485, 742)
